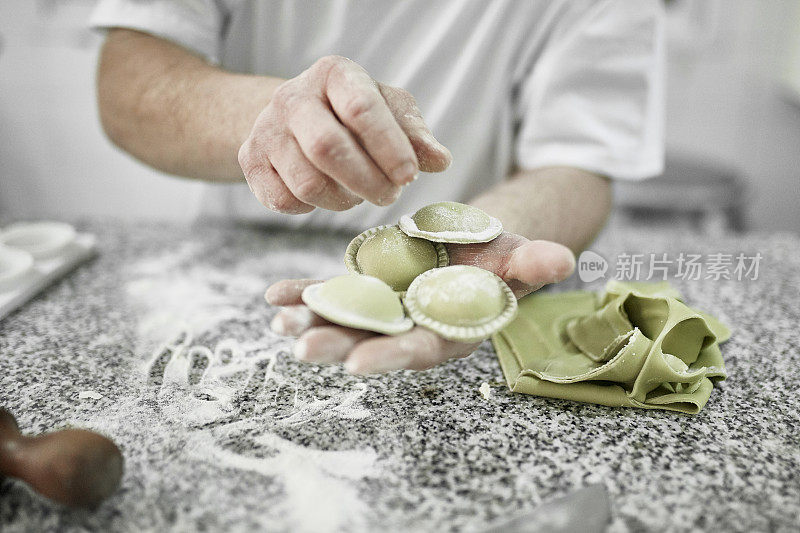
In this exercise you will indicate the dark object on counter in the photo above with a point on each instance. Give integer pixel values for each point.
(74, 467)
(586, 510)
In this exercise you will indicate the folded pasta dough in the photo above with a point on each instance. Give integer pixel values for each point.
(636, 345)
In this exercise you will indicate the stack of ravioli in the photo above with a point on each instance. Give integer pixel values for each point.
(400, 275)
(635, 345)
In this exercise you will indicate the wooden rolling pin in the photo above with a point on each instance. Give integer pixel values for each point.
(74, 467)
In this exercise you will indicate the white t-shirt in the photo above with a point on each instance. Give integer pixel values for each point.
(502, 83)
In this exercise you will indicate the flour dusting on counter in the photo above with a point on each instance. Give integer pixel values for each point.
(265, 442)
(486, 391)
(178, 291)
(320, 494)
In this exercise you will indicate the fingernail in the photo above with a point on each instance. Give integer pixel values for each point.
(390, 197)
(449, 158)
(376, 365)
(435, 144)
(300, 350)
(404, 174)
(439, 147)
(352, 366)
(447, 153)
(292, 321)
(277, 325)
(572, 264)
(268, 296)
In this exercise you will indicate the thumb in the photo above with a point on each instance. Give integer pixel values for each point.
(432, 155)
(538, 263)
(524, 265)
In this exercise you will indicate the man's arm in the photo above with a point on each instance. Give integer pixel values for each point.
(172, 110)
(330, 137)
(561, 204)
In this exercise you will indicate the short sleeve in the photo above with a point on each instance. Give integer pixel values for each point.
(197, 25)
(594, 99)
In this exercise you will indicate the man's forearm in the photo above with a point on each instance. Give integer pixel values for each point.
(561, 204)
(172, 110)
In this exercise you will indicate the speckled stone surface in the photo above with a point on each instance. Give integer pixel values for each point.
(268, 443)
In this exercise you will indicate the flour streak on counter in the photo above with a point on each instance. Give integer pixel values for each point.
(228, 390)
(179, 291)
(320, 486)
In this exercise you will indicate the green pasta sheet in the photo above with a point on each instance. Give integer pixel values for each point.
(635, 345)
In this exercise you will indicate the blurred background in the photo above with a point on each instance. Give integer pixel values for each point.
(733, 122)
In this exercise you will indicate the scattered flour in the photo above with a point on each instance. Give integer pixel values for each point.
(177, 292)
(229, 373)
(103, 339)
(156, 265)
(344, 406)
(200, 388)
(185, 302)
(320, 486)
(486, 391)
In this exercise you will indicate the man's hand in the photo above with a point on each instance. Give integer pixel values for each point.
(333, 137)
(524, 264)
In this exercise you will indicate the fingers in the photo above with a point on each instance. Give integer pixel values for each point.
(288, 291)
(365, 352)
(418, 349)
(523, 264)
(492, 256)
(267, 185)
(334, 151)
(333, 136)
(431, 154)
(356, 100)
(294, 320)
(540, 263)
(328, 344)
(305, 182)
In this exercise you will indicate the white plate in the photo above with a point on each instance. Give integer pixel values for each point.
(44, 272)
(41, 239)
(14, 264)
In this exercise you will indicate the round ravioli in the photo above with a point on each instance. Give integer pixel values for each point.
(392, 256)
(461, 303)
(451, 222)
(358, 301)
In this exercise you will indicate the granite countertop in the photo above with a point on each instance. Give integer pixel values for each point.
(268, 443)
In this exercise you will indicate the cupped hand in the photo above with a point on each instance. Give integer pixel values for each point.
(523, 264)
(333, 137)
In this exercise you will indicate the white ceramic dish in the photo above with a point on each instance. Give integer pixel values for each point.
(43, 272)
(42, 240)
(14, 265)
